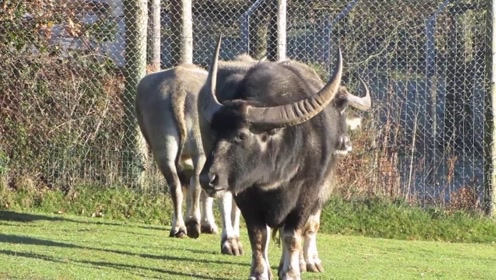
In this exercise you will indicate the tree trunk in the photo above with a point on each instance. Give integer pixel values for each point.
(453, 129)
(490, 113)
(281, 30)
(182, 32)
(272, 31)
(258, 31)
(154, 35)
(136, 15)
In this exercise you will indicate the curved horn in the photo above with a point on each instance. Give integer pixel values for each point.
(360, 103)
(210, 104)
(300, 111)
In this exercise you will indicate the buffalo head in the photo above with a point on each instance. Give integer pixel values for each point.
(251, 138)
(341, 102)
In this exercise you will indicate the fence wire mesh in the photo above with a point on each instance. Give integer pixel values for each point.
(66, 85)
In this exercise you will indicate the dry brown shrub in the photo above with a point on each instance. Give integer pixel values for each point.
(371, 169)
(464, 198)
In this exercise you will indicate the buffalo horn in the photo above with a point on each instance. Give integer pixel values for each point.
(360, 103)
(210, 104)
(300, 111)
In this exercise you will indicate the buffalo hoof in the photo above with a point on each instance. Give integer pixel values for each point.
(193, 228)
(260, 277)
(231, 246)
(314, 267)
(289, 275)
(303, 266)
(178, 233)
(209, 229)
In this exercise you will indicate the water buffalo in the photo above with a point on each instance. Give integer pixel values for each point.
(274, 148)
(167, 116)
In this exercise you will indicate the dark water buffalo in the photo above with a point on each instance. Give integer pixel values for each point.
(275, 148)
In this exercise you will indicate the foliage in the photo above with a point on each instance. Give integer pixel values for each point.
(59, 106)
(55, 111)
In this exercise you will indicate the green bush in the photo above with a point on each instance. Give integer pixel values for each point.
(61, 109)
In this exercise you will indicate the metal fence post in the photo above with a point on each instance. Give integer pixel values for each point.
(245, 26)
(328, 29)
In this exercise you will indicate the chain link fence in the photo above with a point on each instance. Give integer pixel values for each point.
(67, 81)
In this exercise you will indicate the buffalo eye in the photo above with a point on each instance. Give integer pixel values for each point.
(341, 105)
(267, 134)
(242, 136)
(272, 132)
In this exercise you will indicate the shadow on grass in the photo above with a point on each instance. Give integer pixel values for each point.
(202, 252)
(24, 217)
(13, 216)
(101, 264)
(30, 255)
(7, 224)
(137, 233)
(155, 227)
(159, 270)
(17, 239)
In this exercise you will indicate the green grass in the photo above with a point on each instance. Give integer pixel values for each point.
(399, 220)
(118, 203)
(363, 217)
(40, 246)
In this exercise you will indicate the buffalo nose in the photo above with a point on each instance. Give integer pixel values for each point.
(209, 180)
(345, 143)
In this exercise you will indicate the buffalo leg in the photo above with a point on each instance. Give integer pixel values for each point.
(168, 168)
(310, 253)
(207, 220)
(229, 240)
(259, 240)
(235, 218)
(193, 198)
(290, 259)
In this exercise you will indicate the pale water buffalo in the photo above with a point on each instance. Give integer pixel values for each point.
(167, 116)
(274, 148)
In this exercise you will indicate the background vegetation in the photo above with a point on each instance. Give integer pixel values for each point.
(61, 113)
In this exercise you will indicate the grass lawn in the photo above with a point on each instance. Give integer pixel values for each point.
(42, 246)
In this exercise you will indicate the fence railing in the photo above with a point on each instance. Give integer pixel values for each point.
(69, 69)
